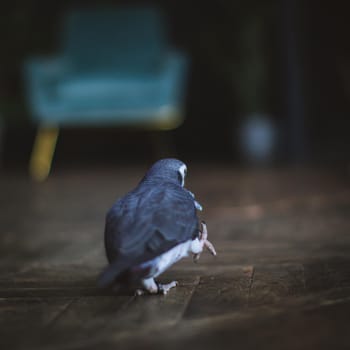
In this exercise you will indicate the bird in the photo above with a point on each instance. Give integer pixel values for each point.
(152, 227)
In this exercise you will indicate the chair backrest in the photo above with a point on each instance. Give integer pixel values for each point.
(122, 40)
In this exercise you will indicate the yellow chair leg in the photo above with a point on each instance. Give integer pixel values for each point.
(42, 153)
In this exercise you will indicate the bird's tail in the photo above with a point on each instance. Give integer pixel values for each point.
(110, 273)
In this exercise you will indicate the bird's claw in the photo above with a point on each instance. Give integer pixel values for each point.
(139, 292)
(203, 238)
(210, 247)
(164, 288)
(196, 257)
(161, 289)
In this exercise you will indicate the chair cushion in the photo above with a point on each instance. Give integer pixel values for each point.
(105, 90)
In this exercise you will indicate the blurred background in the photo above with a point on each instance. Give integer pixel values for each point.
(265, 83)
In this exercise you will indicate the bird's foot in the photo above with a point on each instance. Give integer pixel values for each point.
(164, 288)
(153, 287)
(139, 292)
(203, 239)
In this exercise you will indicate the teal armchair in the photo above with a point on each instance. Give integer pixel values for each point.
(114, 67)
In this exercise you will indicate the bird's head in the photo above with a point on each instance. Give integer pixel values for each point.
(169, 169)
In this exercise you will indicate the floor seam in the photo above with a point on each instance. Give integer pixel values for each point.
(59, 315)
(188, 302)
(251, 281)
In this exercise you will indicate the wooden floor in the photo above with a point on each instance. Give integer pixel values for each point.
(281, 279)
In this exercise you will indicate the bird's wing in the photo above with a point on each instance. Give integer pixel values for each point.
(148, 222)
(152, 219)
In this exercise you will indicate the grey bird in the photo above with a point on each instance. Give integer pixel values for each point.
(152, 227)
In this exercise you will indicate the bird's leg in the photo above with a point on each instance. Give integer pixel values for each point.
(203, 239)
(153, 287)
(150, 285)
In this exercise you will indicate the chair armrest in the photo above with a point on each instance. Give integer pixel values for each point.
(175, 64)
(173, 76)
(40, 77)
(40, 70)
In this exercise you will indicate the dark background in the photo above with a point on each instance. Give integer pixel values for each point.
(304, 46)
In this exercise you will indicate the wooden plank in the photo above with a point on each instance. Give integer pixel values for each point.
(325, 275)
(318, 327)
(220, 293)
(22, 320)
(85, 318)
(52, 280)
(273, 283)
(91, 319)
(158, 311)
